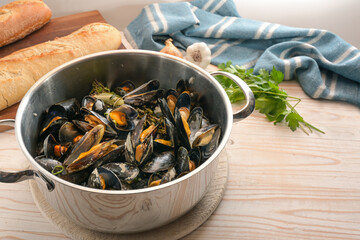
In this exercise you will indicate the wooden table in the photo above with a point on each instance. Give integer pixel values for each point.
(282, 184)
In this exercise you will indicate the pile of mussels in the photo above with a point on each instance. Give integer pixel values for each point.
(128, 138)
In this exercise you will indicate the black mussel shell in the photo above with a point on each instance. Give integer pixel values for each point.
(210, 148)
(182, 161)
(68, 108)
(102, 178)
(68, 132)
(146, 87)
(124, 87)
(124, 171)
(160, 162)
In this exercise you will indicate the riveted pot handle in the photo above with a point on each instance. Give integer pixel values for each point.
(13, 177)
(249, 96)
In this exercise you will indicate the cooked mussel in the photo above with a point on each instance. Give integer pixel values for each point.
(90, 139)
(160, 162)
(204, 135)
(69, 133)
(95, 119)
(124, 87)
(102, 178)
(88, 158)
(124, 171)
(123, 117)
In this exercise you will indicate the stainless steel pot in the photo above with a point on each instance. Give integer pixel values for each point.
(132, 210)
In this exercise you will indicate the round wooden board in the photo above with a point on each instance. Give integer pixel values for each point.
(175, 230)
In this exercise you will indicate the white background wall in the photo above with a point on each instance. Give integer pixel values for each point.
(339, 16)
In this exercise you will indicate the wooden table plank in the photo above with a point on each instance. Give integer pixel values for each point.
(282, 184)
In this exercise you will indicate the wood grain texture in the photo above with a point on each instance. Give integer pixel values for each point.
(282, 184)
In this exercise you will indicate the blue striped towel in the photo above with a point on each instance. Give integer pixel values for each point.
(325, 65)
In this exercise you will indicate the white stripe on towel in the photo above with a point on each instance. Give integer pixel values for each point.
(151, 19)
(345, 54)
(219, 5)
(322, 87)
(298, 62)
(356, 56)
(193, 9)
(271, 31)
(286, 69)
(224, 47)
(161, 17)
(211, 29)
(223, 27)
(207, 5)
(317, 38)
(250, 64)
(332, 87)
(261, 30)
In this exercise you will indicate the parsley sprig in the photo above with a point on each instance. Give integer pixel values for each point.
(272, 101)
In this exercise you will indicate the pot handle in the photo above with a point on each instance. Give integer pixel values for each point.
(249, 96)
(13, 177)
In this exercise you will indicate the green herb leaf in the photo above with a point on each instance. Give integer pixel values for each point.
(269, 98)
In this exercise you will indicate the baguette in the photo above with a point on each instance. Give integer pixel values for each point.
(20, 18)
(21, 69)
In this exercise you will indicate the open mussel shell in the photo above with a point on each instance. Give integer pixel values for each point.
(122, 117)
(210, 148)
(124, 171)
(102, 178)
(52, 149)
(171, 96)
(183, 130)
(166, 110)
(124, 87)
(182, 86)
(204, 135)
(194, 121)
(94, 119)
(195, 155)
(68, 108)
(146, 87)
(115, 155)
(52, 126)
(168, 176)
(160, 162)
(183, 102)
(82, 125)
(88, 102)
(138, 100)
(166, 143)
(88, 158)
(154, 180)
(99, 107)
(144, 150)
(182, 161)
(141, 152)
(68, 132)
(90, 139)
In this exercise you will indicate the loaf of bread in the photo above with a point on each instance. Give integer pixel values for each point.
(20, 18)
(21, 69)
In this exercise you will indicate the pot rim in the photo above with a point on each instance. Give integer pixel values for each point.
(33, 89)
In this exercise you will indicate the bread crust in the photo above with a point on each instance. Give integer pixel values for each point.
(20, 18)
(21, 69)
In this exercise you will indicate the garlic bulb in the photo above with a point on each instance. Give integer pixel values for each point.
(199, 53)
